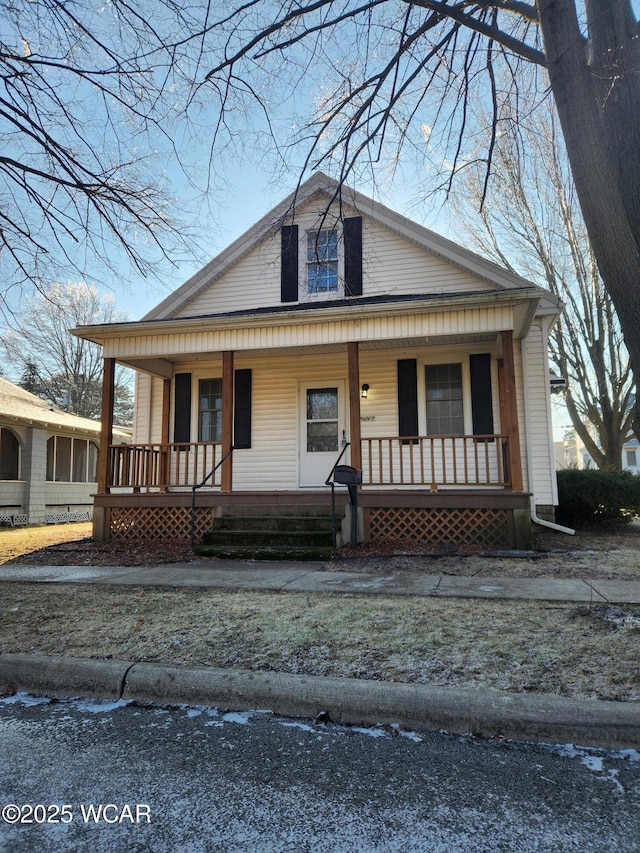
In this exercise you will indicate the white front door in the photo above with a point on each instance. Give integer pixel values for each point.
(322, 429)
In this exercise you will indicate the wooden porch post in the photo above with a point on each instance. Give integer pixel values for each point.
(226, 479)
(353, 356)
(509, 409)
(164, 435)
(106, 431)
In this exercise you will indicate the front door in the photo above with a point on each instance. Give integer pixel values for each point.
(322, 430)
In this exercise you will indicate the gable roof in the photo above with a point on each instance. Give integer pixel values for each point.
(21, 407)
(318, 185)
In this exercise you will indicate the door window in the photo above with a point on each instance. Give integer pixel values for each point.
(322, 420)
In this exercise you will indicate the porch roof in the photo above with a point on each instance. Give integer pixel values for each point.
(152, 345)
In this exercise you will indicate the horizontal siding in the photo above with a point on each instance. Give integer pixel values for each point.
(141, 412)
(395, 266)
(458, 321)
(537, 416)
(392, 264)
(272, 460)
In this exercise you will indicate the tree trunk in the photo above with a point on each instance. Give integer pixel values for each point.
(596, 134)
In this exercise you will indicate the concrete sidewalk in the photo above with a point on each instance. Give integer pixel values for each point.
(315, 577)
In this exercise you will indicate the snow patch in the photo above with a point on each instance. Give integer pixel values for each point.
(25, 699)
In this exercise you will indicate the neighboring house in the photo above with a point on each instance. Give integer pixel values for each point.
(48, 460)
(572, 453)
(335, 320)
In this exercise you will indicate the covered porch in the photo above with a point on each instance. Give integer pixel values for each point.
(445, 488)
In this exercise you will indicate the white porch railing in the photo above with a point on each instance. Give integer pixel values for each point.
(434, 461)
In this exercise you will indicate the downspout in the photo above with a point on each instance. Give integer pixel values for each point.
(527, 423)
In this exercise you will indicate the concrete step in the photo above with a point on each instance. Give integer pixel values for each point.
(300, 554)
(312, 523)
(284, 510)
(269, 538)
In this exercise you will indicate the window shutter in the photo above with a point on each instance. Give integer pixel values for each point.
(481, 400)
(408, 396)
(352, 230)
(242, 409)
(289, 263)
(182, 408)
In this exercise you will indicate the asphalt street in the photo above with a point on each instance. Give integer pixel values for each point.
(84, 775)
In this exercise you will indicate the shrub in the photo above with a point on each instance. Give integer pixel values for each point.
(597, 497)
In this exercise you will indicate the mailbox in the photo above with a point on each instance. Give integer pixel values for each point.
(347, 475)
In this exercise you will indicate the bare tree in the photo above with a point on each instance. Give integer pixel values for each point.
(91, 98)
(55, 365)
(530, 222)
(405, 74)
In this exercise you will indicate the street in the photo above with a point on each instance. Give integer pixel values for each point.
(83, 775)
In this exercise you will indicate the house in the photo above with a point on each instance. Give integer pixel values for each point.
(572, 453)
(336, 326)
(48, 460)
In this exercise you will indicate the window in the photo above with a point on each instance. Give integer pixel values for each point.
(445, 414)
(632, 459)
(71, 460)
(210, 410)
(9, 455)
(322, 261)
(322, 420)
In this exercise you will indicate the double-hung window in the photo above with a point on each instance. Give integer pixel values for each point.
(210, 410)
(322, 261)
(445, 413)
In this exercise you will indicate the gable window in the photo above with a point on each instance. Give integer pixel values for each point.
(322, 261)
(445, 415)
(210, 410)
(9, 455)
(632, 460)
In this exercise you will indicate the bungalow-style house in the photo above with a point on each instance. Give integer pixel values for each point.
(336, 326)
(48, 460)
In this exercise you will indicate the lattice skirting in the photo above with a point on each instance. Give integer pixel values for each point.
(486, 527)
(146, 523)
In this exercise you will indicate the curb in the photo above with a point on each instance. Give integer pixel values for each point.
(489, 713)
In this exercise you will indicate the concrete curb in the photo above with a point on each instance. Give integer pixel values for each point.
(548, 718)
(62, 676)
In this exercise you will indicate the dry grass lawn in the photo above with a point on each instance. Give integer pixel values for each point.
(516, 646)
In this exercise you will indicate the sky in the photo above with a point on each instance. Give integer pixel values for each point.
(251, 196)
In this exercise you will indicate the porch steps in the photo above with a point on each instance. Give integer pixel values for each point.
(270, 533)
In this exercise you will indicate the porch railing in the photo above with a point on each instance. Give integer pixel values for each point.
(162, 466)
(419, 461)
(434, 461)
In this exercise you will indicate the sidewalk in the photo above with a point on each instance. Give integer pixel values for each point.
(312, 577)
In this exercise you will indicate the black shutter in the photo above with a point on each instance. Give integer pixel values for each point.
(289, 263)
(352, 231)
(408, 397)
(242, 409)
(481, 400)
(182, 408)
